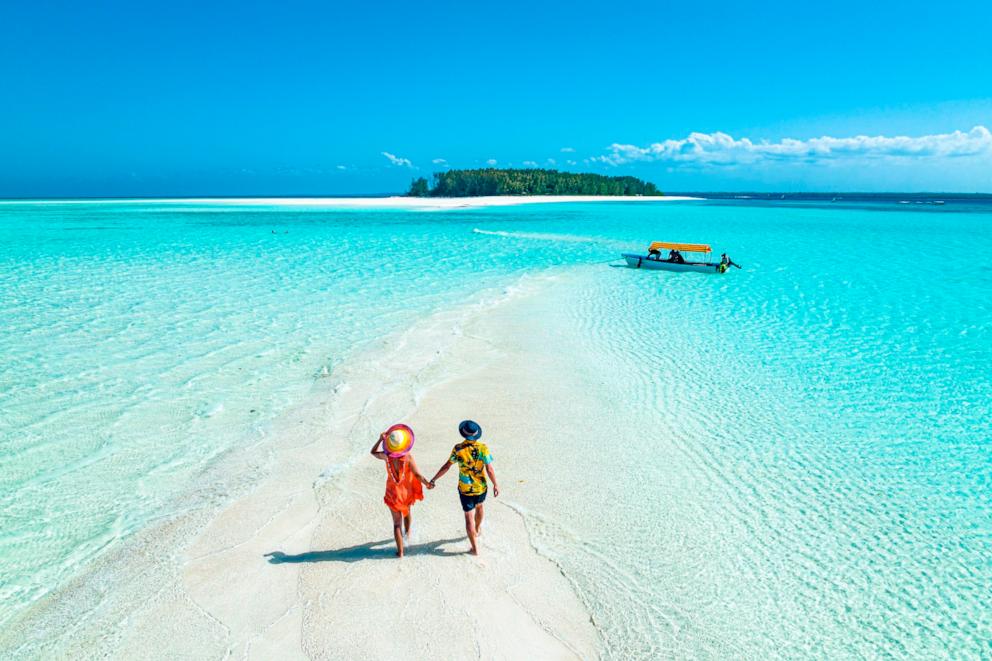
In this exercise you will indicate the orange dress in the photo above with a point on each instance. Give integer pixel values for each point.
(403, 488)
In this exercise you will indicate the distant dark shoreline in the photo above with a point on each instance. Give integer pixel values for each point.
(830, 197)
(888, 202)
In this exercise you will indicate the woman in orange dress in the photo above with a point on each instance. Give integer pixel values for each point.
(403, 478)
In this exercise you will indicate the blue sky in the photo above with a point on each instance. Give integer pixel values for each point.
(183, 98)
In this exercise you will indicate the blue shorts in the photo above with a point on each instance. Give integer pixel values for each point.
(469, 502)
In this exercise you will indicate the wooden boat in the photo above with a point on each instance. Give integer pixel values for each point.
(703, 264)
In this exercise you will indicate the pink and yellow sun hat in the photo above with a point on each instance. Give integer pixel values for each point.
(397, 440)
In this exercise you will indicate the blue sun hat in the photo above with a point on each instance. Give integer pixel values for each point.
(470, 430)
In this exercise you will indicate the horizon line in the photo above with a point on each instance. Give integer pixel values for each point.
(97, 198)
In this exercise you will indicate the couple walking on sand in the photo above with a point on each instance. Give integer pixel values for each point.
(404, 480)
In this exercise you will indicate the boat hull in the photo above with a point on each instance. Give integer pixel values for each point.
(642, 262)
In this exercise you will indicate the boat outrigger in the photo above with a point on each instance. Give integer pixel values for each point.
(676, 262)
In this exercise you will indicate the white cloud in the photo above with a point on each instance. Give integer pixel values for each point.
(567, 150)
(439, 161)
(342, 167)
(530, 164)
(722, 149)
(552, 161)
(570, 162)
(396, 160)
(491, 162)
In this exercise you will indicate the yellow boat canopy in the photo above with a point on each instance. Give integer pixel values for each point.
(681, 247)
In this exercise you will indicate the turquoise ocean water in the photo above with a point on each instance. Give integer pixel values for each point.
(790, 460)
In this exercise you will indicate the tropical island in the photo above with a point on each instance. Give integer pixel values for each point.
(531, 181)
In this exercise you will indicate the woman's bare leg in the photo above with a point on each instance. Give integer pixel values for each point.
(407, 522)
(398, 532)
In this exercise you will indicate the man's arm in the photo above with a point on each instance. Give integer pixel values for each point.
(441, 471)
(491, 472)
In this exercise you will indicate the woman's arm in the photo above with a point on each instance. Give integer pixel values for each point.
(441, 471)
(416, 473)
(375, 452)
(492, 476)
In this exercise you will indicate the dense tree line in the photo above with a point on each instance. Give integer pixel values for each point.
(492, 181)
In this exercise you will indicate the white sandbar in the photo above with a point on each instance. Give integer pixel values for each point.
(394, 202)
(299, 563)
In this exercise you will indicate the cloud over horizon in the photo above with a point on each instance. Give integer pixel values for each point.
(722, 149)
(396, 160)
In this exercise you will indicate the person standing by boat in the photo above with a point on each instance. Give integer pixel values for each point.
(474, 464)
(403, 479)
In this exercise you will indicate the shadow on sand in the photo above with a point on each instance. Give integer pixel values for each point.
(382, 550)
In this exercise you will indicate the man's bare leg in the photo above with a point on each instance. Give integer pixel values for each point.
(470, 529)
(479, 513)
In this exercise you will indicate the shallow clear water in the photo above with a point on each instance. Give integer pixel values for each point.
(796, 455)
(790, 460)
(141, 341)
